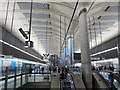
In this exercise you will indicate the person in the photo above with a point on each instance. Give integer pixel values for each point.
(58, 69)
(111, 78)
(54, 69)
(42, 70)
(105, 67)
(63, 73)
(50, 69)
(30, 71)
(112, 68)
(93, 68)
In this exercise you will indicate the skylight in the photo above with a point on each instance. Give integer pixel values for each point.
(26, 5)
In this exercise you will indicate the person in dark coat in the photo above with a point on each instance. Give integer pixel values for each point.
(111, 78)
(42, 70)
(30, 71)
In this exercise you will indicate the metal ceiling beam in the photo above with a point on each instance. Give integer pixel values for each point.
(49, 11)
(103, 20)
(62, 4)
(50, 25)
(50, 30)
(103, 13)
(55, 41)
(65, 4)
(39, 19)
(106, 3)
(48, 19)
(102, 26)
(50, 36)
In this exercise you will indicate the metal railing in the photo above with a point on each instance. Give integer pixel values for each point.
(21, 77)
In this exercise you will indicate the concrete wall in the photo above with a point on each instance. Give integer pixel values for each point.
(107, 45)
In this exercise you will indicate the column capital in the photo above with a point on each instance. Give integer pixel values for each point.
(70, 37)
(83, 10)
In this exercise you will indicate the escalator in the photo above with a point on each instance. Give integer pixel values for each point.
(78, 81)
(100, 82)
(67, 83)
(116, 83)
(73, 82)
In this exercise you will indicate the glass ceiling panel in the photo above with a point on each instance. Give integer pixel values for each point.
(39, 22)
(44, 35)
(36, 15)
(92, 33)
(43, 28)
(43, 32)
(44, 38)
(26, 5)
(112, 17)
(102, 28)
(113, 8)
(105, 23)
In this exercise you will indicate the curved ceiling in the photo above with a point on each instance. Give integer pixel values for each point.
(50, 20)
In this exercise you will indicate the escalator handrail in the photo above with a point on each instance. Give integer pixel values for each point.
(104, 81)
(117, 77)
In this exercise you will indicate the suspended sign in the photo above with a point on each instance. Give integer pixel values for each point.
(46, 56)
(95, 58)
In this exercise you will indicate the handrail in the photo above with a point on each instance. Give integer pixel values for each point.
(55, 81)
(20, 75)
(117, 77)
(78, 82)
(18, 72)
(99, 81)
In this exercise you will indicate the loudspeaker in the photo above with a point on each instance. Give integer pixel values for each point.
(29, 44)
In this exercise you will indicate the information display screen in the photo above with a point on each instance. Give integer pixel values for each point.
(77, 56)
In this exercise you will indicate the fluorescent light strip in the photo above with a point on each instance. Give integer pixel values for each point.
(19, 49)
(114, 60)
(26, 61)
(104, 51)
(23, 61)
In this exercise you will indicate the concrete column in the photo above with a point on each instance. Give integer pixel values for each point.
(118, 36)
(1, 50)
(118, 51)
(85, 52)
(0, 40)
(70, 49)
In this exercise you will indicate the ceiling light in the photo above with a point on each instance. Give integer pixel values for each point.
(99, 17)
(107, 8)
